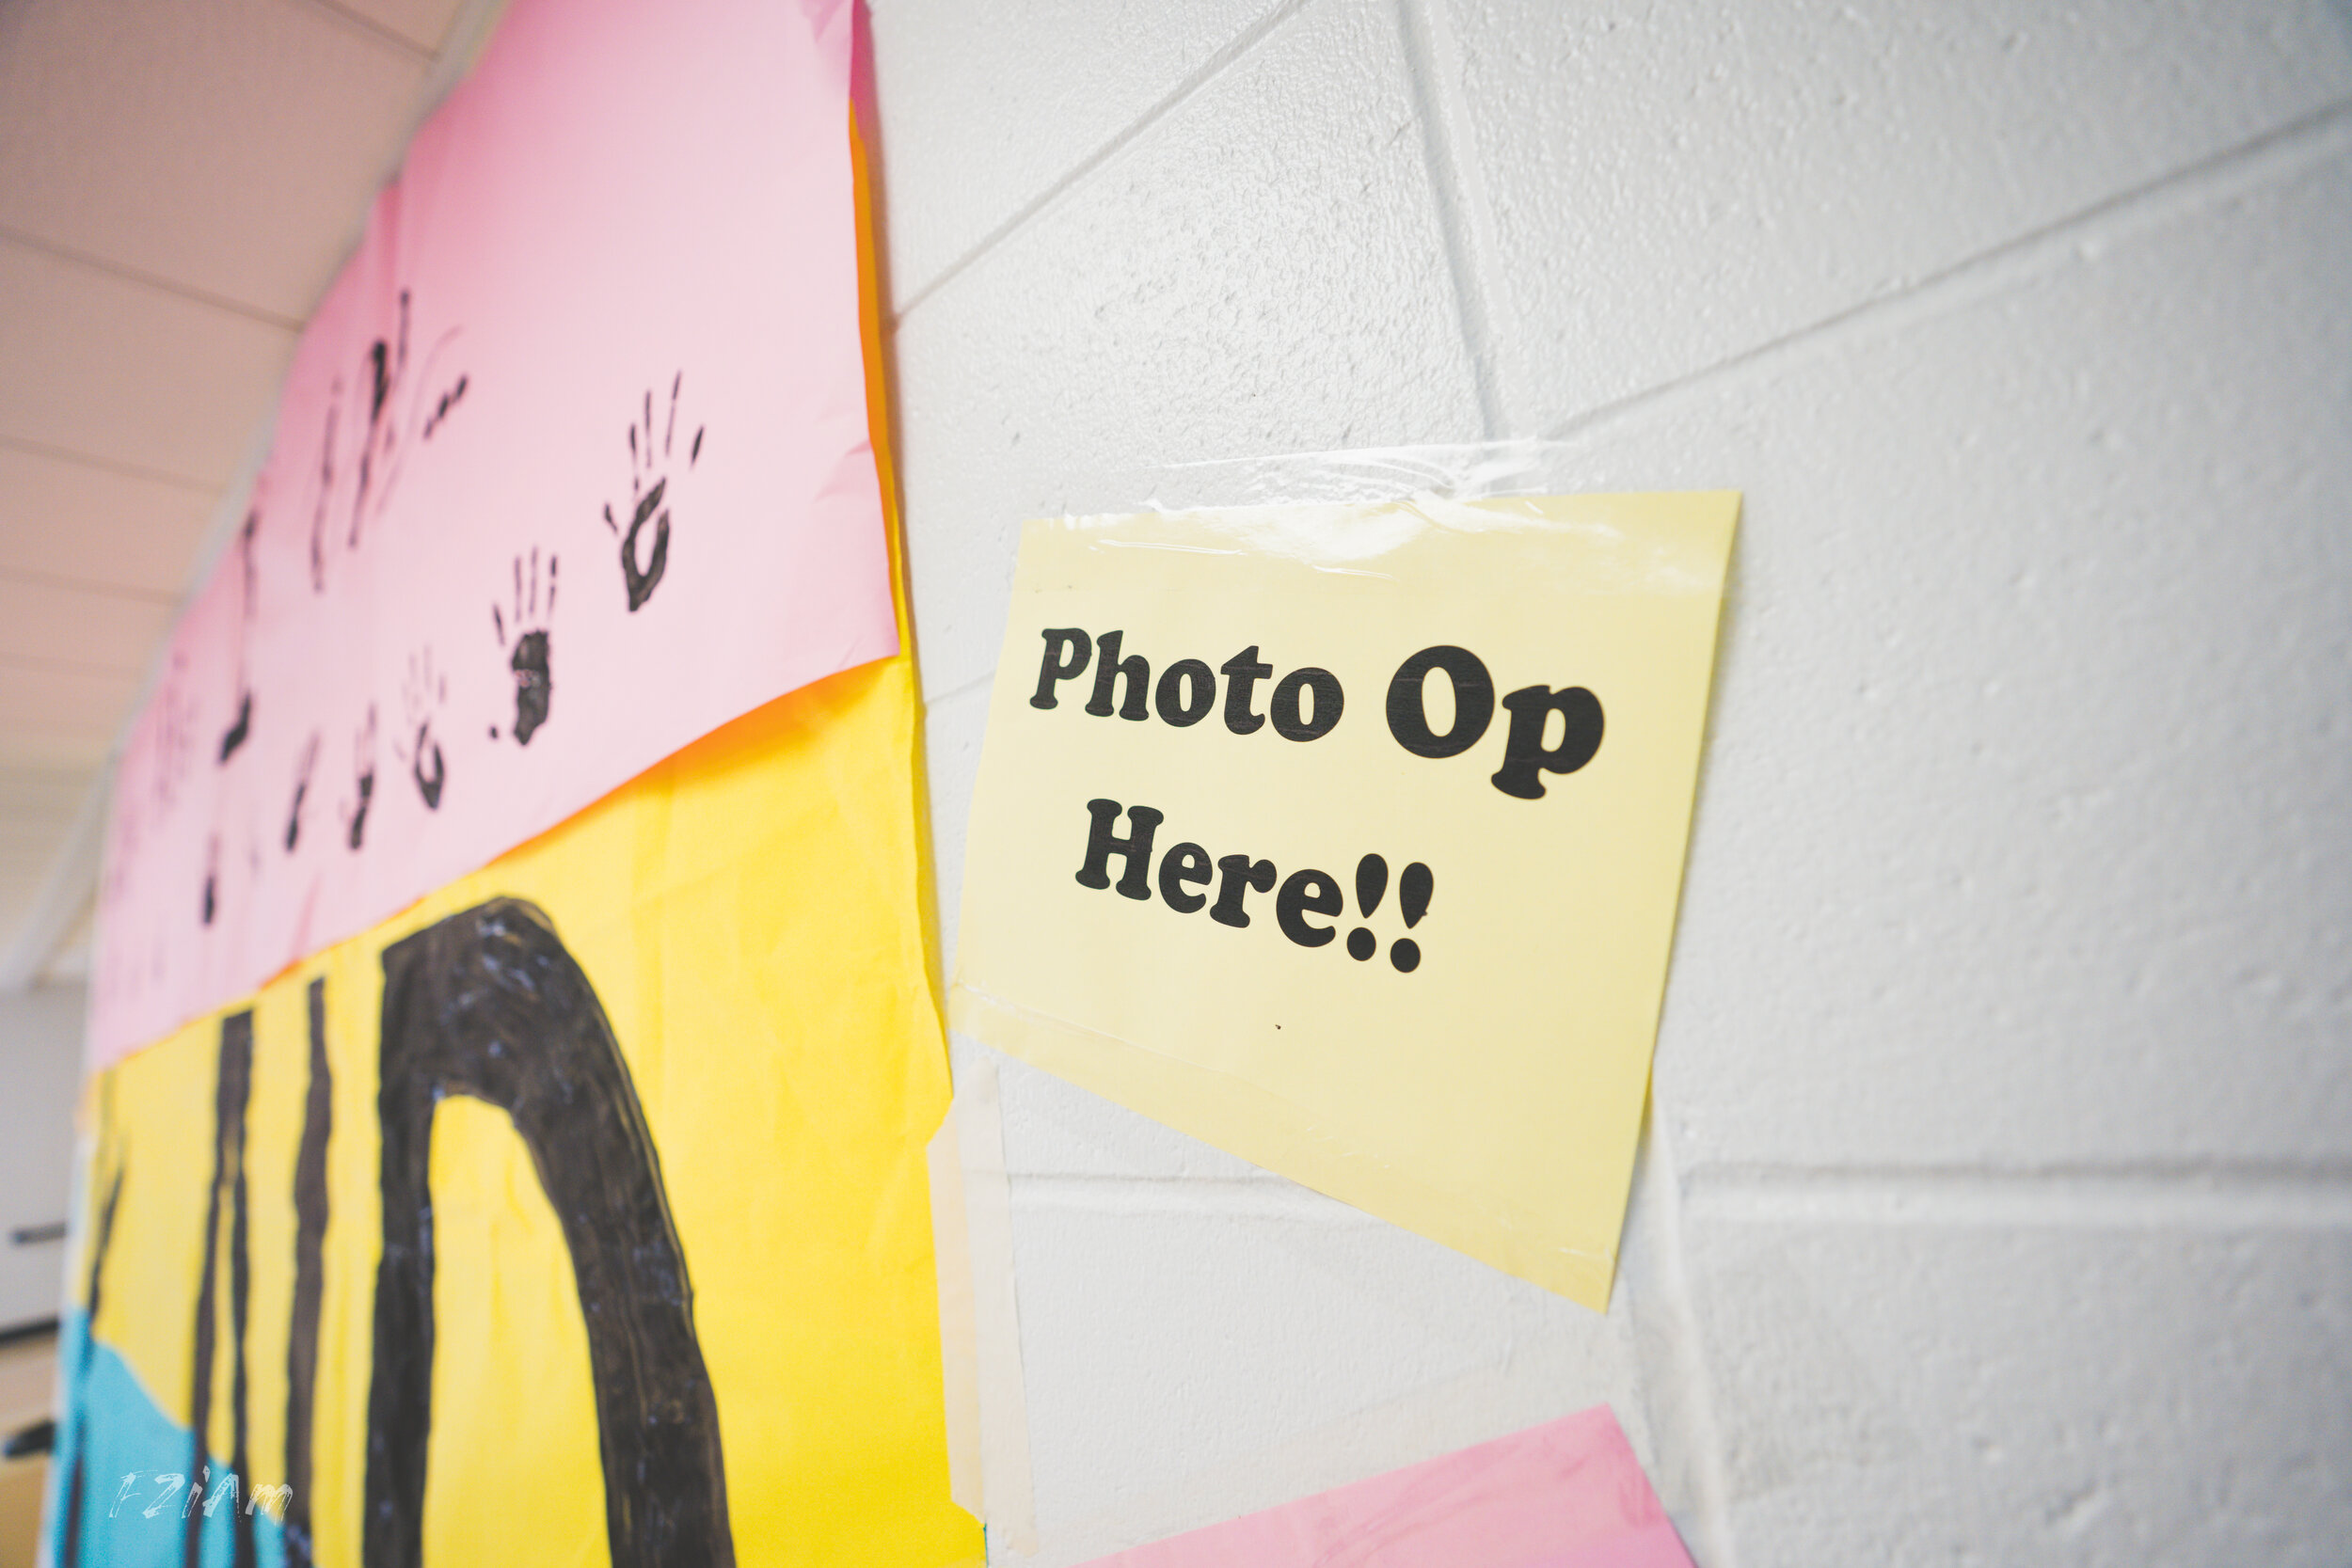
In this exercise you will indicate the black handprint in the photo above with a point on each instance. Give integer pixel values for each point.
(387, 361)
(325, 489)
(363, 777)
(448, 400)
(535, 688)
(648, 489)
(175, 733)
(420, 695)
(302, 787)
(426, 411)
(238, 732)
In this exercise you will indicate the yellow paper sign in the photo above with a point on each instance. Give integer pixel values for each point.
(1349, 839)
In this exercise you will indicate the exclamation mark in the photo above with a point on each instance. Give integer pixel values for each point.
(1412, 895)
(1371, 881)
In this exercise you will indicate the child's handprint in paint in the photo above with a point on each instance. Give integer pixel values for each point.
(175, 733)
(212, 878)
(404, 405)
(448, 400)
(302, 787)
(242, 729)
(650, 471)
(363, 780)
(388, 359)
(526, 639)
(326, 480)
(421, 694)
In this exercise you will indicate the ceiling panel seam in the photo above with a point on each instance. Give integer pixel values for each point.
(72, 666)
(370, 29)
(288, 324)
(108, 464)
(88, 585)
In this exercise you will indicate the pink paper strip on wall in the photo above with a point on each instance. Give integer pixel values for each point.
(1568, 1493)
(571, 467)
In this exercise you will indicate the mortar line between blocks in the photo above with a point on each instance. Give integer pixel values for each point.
(1200, 77)
(1709, 1473)
(978, 683)
(1433, 74)
(2216, 1197)
(2247, 165)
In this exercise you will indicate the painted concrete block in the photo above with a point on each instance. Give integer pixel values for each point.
(2022, 1395)
(1661, 187)
(1260, 271)
(953, 727)
(986, 108)
(2020, 838)
(1200, 1349)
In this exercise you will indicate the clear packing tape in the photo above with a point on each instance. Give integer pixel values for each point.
(979, 1317)
(1362, 476)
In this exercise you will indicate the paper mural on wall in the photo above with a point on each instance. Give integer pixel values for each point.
(1568, 1493)
(571, 467)
(1349, 839)
(571, 1206)
(568, 1215)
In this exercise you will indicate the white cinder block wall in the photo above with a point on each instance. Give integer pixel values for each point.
(1997, 1202)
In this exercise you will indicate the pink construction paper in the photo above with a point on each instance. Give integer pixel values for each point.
(622, 255)
(1565, 1494)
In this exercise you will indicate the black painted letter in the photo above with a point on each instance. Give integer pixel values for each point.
(1135, 847)
(1242, 672)
(489, 1005)
(1289, 714)
(1473, 702)
(1186, 864)
(1196, 682)
(1059, 641)
(1109, 669)
(1306, 893)
(1242, 874)
(1524, 752)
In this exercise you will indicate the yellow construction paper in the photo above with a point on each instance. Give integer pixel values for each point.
(1491, 1095)
(746, 915)
(751, 917)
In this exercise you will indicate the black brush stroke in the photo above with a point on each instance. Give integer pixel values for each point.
(70, 1552)
(234, 1089)
(309, 1283)
(490, 1004)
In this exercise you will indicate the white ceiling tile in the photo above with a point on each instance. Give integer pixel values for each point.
(59, 717)
(17, 893)
(43, 792)
(230, 147)
(130, 375)
(44, 627)
(61, 519)
(36, 810)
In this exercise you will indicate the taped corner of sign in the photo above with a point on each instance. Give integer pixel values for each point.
(987, 1407)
